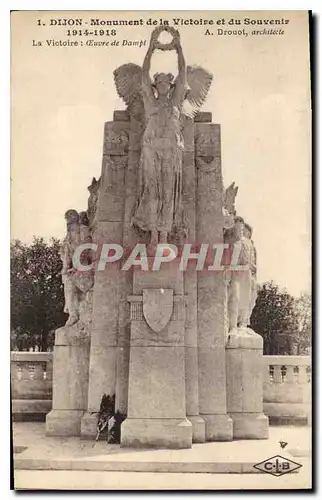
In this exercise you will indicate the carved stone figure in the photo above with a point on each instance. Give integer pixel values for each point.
(76, 284)
(68, 247)
(84, 230)
(229, 210)
(239, 281)
(159, 206)
(92, 200)
(248, 232)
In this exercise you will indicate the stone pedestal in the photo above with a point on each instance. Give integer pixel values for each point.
(70, 382)
(244, 360)
(156, 398)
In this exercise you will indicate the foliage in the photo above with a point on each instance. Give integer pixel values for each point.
(281, 319)
(37, 295)
(303, 311)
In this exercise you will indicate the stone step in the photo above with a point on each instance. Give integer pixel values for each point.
(214, 458)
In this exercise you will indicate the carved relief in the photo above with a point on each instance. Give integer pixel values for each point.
(113, 172)
(208, 164)
(157, 307)
(178, 310)
(203, 141)
(116, 140)
(207, 140)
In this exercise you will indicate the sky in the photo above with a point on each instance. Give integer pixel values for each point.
(260, 95)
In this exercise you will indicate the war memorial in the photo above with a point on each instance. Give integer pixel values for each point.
(169, 345)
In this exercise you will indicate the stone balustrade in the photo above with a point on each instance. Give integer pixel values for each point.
(31, 384)
(287, 386)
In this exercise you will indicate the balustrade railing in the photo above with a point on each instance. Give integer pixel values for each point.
(31, 383)
(286, 386)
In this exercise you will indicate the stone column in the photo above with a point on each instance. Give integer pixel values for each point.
(70, 382)
(211, 287)
(110, 210)
(130, 238)
(244, 354)
(190, 287)
(156, 403)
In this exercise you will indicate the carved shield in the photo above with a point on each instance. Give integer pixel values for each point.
(157, 307)
(84, 281)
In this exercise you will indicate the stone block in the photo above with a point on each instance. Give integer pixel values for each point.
(63, 423)
(156, 383)
(156, 433)
(198, 428)
(70, 374)
(245, 385)
(203, 117)
(250, 425)
(121, 115)
(244, 372)
(219, 427)
(89, 425)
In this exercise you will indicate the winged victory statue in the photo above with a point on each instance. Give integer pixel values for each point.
(162, 102)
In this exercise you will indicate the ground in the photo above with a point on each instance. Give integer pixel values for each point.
(71, 463)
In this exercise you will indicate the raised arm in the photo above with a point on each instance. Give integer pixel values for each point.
(181, 78)
(146, 82)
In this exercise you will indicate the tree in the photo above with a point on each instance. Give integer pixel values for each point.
(37, 295)
(303, 311)
(274, 318)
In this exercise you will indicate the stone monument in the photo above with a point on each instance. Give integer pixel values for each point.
(72, 341)
(158, 334)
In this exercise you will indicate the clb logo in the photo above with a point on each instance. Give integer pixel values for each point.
(277, 466)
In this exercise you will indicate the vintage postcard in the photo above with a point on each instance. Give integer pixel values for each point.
(161, 250)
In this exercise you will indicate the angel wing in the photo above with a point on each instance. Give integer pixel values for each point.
(199, 81)
(128, 82)
(229, 198)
